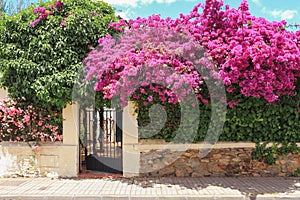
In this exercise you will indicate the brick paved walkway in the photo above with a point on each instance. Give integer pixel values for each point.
(147, 188)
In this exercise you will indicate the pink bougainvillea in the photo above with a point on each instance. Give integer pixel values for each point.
(256, 57)
(253, 56)
(156, 59)
(44, 13)
(58, 4)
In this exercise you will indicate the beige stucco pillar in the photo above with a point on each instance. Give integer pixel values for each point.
(3, 93)
(131, 156)
(70, 157)
(71, 124)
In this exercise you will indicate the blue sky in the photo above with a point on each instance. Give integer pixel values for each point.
(277, 10)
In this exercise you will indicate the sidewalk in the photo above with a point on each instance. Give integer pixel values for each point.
(207, 188)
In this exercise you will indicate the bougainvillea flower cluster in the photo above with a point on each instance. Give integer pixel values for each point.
(254, 57)
(44, 13)
(153, 61)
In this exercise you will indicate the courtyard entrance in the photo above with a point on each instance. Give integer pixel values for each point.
(101, 139)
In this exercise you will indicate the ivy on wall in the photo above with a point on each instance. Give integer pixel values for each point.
(252, 119)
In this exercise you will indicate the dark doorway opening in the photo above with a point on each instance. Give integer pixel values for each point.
(101, 140)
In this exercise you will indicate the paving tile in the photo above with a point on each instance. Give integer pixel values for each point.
(172, 198)
(87, 198)
(143, 198)
(36, 197)
(115, 197)
(12, 183)
(161, 188)
(220, 197)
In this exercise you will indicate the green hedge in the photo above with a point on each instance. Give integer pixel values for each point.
(252, 119)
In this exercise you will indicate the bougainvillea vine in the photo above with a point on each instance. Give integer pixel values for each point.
(254, 57)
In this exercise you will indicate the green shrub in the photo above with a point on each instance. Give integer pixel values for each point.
(39, 61)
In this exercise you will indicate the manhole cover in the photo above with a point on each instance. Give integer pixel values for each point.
(12, 183)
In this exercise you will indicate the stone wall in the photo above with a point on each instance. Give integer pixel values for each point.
(225, 159)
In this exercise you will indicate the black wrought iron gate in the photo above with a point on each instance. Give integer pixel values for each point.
(101, 137)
